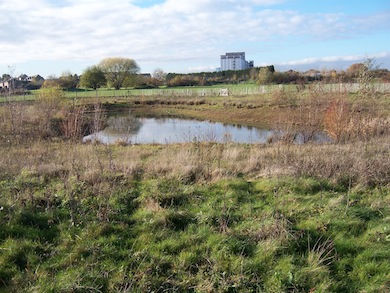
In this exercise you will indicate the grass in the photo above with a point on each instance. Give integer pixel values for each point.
(193, 217)
(163, 91)
(80, 218)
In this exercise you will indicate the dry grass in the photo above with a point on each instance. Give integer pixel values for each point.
(366, 163)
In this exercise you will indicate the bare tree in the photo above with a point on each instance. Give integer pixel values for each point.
(159, 74)
(10, 104)
(366, 75)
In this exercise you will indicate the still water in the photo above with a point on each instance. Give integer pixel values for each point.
(132, 130)
(135, 130)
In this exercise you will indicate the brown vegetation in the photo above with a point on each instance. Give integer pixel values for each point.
(366, 163)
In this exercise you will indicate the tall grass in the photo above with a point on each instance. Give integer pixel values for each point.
(365, 163)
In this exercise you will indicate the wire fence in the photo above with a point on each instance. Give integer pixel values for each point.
(214, 91)
(252, 90)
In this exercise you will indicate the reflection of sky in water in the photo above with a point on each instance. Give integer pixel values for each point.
(172, 130)
(177, 130)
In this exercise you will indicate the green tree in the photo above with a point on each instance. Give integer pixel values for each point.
(68, 80)
(93, 77)
(131, 80)
(118, 69)
(51, 82)
(5, 77)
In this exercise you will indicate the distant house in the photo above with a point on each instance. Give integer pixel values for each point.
(23, 77)
(36, 79)
(5, 84)
(146, 75)
(23, 81)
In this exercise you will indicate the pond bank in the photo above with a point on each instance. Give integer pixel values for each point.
(261, 114)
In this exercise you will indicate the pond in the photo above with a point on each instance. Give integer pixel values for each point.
(145, 130)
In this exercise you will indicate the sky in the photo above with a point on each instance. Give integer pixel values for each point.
(53, 37)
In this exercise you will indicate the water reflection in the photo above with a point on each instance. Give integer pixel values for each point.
(131, 130)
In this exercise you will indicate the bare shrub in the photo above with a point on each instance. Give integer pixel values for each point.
(337, 118)
(366, 78)
(13, 117)
(98, 117)
(281, 98)
(346, 122)
(73, 123)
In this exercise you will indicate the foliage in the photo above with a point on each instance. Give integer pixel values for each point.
(50, 102)
(264, 76)
(133, 80)
(5, 77)
(183, 80)
(68, 80)
(355, 69)
(93, 77)
(210, 78)
(118, 69)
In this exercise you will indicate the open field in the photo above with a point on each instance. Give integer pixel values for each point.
(239, 90)
(196, 217)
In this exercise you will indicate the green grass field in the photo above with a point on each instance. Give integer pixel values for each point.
(97, 219)
(193, 91)
(239, 90)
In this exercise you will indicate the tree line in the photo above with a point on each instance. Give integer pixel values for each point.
(119, 72)
(110, 73)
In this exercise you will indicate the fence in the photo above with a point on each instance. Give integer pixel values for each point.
(255, 90)
(214, 91)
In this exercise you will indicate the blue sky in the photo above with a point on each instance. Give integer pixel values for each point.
(49, 37)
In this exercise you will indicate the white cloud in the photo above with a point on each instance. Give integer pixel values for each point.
(327, 59)
(172, 30)
(202, 69)
(382, 59)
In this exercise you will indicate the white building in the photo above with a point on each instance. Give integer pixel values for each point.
(235, 61)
